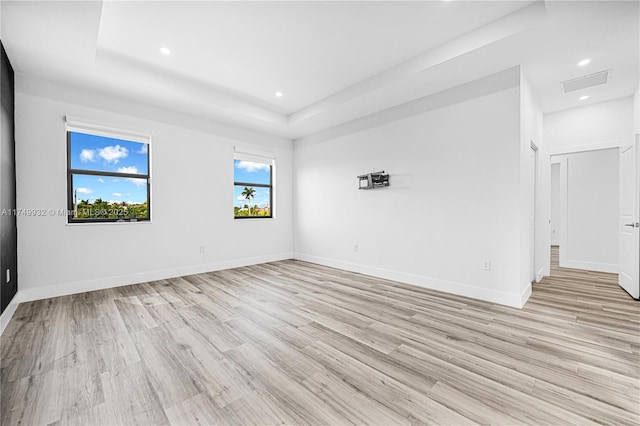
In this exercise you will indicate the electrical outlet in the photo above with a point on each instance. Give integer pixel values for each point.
(202, 250)
(486, 265)
(355, 248)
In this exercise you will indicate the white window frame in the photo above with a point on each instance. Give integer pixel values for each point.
(257, 156)
(92, 127)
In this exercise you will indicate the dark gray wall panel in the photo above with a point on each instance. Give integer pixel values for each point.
(8, 230)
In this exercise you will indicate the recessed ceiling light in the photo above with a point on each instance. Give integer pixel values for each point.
(584, 97)
(279, 94)
(165, 51)
(584, 62)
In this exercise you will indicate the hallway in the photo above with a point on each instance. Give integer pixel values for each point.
(592, 298)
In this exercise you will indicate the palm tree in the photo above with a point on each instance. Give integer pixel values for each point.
(248, 193)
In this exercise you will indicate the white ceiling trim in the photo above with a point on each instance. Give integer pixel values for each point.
(490, 33)
(502, 80)
(178, 87)
(85, 101)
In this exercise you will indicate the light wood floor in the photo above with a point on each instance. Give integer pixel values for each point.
(295, 343)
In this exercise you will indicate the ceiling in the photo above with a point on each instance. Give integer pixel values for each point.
(333, 61)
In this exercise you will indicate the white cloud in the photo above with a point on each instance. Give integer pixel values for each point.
(121, 201)
(137, 182)
(84, 190)
(87, 155)
(252, 167)
(117, 194)
(241, 198)
(130, 169)
(113, 154)
(100, 180)
(143, 149)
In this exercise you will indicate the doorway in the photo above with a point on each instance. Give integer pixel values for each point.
(584, 209)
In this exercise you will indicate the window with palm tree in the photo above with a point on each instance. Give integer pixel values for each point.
(253, 189)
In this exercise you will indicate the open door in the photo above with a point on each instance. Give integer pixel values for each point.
(629, 274)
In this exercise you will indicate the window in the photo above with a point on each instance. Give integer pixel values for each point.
(252, 187)
(108, 178)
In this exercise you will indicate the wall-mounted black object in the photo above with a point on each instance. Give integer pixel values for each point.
(8, 230)
(373, 180)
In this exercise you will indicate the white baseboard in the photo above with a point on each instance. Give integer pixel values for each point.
(590, 266)
(540, 274)
(555, 243)
(56, 290)
(524, 296)
(8, 312)
(461, 289)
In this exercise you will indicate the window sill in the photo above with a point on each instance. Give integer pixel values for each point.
(108, 223)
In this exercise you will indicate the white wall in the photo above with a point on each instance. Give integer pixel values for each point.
(453, 200)
(531, 133)
(636, 110)
(596, 126)
(192, 199)
(589, 210)
(556, 231)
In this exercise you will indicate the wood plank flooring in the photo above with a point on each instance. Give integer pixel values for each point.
(296, 343)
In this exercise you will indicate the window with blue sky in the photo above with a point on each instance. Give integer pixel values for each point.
(108, 179)
(253, 189)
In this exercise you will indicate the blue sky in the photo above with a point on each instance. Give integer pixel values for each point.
(89, 152)
(246, 171)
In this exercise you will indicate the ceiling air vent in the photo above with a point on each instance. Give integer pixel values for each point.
(585, 81)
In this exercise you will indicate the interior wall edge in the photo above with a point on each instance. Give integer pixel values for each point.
(514, 300)
(6, 316)
(64, 289)
(591, 266)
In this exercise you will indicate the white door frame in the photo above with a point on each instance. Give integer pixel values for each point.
(559, 219)
(532, 214)
(564, 212)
